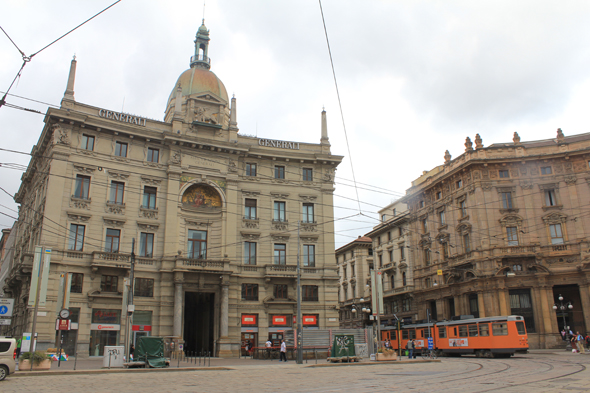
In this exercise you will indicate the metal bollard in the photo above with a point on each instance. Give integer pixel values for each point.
(209, 358)
(201, 354)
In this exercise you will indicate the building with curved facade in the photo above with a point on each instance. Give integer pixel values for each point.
(215, 220)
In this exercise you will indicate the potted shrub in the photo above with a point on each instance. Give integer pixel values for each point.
(40, 361)
(386, 354)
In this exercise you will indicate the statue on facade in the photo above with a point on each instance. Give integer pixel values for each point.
(447, 157)
(175, 158)
(60, 136)
(516, 138)
(478, 142)
(560, 135)
(202, 115)
(468, 145)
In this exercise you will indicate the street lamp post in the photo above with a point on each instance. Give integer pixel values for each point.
(354, 310)
(563, 307)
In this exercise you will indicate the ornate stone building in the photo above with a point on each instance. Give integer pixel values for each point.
(503, 230)
(213, 215)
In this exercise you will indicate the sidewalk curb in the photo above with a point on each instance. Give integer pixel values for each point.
(114, 371)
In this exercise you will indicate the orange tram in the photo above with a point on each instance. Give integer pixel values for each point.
(483, 337)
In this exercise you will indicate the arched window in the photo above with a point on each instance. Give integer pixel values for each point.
(201, 196)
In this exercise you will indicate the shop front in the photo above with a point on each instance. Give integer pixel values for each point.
(249, 332)
(104, 330)
(141, 325)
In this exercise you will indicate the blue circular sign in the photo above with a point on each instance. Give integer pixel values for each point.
(3, 310)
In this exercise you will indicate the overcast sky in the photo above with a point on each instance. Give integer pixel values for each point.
(415, 77)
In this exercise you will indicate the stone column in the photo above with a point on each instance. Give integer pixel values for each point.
(224, 341)
(178, 279)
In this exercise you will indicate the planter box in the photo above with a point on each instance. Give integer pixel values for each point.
(387, 356)
(25, 365)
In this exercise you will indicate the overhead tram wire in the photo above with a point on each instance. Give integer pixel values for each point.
(340, 106)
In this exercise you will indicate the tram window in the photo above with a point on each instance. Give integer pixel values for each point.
(421, 332)
(455, 329)
(463, 331)
(499, 329)
(413, 334)
(472, 330)
(393, 335)
(442, 332)
(484, 329)
(426, 333)
(405, 335)
(520, 328)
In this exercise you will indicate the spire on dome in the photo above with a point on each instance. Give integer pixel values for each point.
(201, 59)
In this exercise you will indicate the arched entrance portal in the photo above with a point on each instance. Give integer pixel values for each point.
(199, 322)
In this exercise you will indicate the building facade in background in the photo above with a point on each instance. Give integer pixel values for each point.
(504, 230)
(215, 219)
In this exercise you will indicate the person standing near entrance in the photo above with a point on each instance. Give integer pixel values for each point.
(268, 346)
(283, 351)
(19, 343)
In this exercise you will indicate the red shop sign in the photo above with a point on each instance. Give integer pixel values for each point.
(141, 328)
(310, 320)
(280, 320)
(249, 319)
(63, 324)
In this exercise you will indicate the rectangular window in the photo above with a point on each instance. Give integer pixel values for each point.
(466, 243)
(512, 236)
(500, 329)
(445, 249)
(438, 195)
(425, 225)
(389, 236)
(77, 282)
(504, 174)
(390, 252)
(120, 149)
(427, 258)
(144, 287)
(249, 253)
(76, 241)
(197, 244)
(506, 200)
(280, 254)
(87, 142)
(153, 155)
(149, 197)
(442, 332)
(309, 293)
(421, 204)
(250, 169)
(109, 283)
(279, 211)
(520, 328)
(308, 216)
(402, 253)
(307, 174)
(474, 305)
(117, 192)
(279, 172)
(459, 183)
(249, 291)
(546, 170)
(463, 331)
(280, 291)
(250, 206)
(521, 304)
(146, 245)
(472, 330)
(463, 208)
(309, 255)
(441, 217)
(82, 187)
(405, 335)
(484, 329)
(112, 240)
(383, 217)
(550, 198)
(556, 235)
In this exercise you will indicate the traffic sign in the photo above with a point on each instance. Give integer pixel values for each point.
(6, 306)
(430, 343)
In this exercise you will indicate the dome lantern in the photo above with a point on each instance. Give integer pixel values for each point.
(201, 59)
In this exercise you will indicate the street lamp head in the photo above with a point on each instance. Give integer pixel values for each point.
(362, 300)
(364, 309)
(353, 310)
(570, 306)
(554, 307)
(560, 298)
(368, 310)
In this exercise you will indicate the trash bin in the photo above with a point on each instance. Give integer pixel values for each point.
(113, 356)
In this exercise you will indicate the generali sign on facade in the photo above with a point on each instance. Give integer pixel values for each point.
(123, 117)
(102, 326)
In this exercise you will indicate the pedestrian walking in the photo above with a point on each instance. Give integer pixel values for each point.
(587, 341)
(268, 346)
(410, 348)
(19, 342)
(563, 334)
(283, 351)
(580, 342)
(131, 352)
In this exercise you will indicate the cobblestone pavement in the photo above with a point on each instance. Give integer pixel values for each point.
(550, 372)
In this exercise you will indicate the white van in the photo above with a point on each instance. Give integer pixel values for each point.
(7, 356)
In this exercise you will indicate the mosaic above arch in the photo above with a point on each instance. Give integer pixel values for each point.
(201, 195)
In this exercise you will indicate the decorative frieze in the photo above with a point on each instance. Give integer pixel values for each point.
(118, 175)
(115, 208)
(279, 195)
(114, 222)
(280, 225)
(279, 238)
(252, 194)
(309, 227)
(84, 169)
(80, 203)
(78, 217)
(148, 226)
(309, 239)
(150, 181)
(250, 235)
(148, 213)
(308, 198)
(250, 223)
(194, 223)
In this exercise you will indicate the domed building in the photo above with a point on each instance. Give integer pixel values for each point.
(196, 226)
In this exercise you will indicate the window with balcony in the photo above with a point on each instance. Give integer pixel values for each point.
(459, 183)
(503, 174)
(512, 236)
(109, 284)
(280, 291)
(144, 287)
(120, 149)
(441, 218)
(309, 293)
(250, 292)
(463, 208)
(546, 170)
(466, 243)
(250, 209)
(76, 240)
(197, 244)
(117, 192)
(149, 197)
(309, 255)
(146, 245)
(556, 234)
(113, 238)
(249, 253)
(87, 142)
(308, 215)
(82, 187)
(77, 282)
(424, 225)
(250, 169)
(279, 172)
(280, 254)
(506, 200)
(279, 211)
(153, 155)
(550, 199)
(307, 174)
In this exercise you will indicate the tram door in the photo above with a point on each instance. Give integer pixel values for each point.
(248, 337)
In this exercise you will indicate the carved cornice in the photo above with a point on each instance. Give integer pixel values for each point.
(148, 180)
(309, 239)
(279, 238)
(84, 169)
(118, 175)
(113, 222)
(78, 217)
(250, 235)
(279, 195)
(250, 193)
(148, 226)
(196, 223)
(309, 198)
